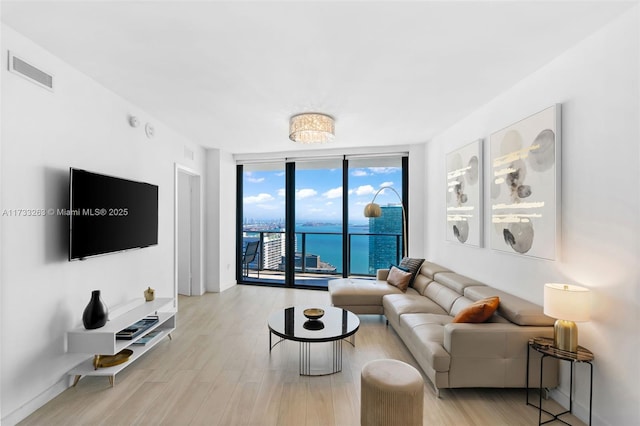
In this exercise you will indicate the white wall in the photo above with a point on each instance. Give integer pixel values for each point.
(597, 83)
(417, 185)
(220, 220)
(80, 124)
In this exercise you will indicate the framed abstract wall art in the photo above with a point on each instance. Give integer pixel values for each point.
(464, 194)
(525, 186)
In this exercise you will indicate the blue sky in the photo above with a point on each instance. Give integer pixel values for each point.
(319, 193)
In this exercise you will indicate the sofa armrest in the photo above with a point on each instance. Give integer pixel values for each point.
(382, 274)
(490, 340)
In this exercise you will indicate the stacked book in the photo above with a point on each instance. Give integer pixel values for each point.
(138, 328)
(148, 337)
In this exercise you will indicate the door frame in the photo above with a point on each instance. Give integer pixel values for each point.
(196, 288)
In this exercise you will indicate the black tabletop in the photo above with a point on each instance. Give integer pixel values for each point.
(544, 345)
(335, 324)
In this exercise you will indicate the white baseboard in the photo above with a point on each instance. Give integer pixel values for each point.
(579, 410)
(25, 410)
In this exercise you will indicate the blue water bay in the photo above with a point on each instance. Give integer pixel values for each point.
(325, 240)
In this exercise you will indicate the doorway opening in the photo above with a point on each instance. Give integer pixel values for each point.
(187, 230)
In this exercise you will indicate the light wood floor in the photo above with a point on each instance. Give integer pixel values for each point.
(217, 370)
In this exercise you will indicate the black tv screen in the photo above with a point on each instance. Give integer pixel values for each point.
(109, 214)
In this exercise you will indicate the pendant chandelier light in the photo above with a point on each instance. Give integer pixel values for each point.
(311, 128)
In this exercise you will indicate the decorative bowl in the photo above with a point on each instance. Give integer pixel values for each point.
(313, 313)
(103, 361)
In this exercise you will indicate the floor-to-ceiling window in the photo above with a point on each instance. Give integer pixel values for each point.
(375, 242)
(318, 221)
(306, 217)
(261, 209)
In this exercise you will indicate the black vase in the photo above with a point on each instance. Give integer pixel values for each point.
(96, 313)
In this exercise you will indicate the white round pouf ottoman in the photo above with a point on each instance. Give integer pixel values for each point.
(391, 394)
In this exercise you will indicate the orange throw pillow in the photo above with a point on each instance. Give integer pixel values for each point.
(399, 278)
(479, 311)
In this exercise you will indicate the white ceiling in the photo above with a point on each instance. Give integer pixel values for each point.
(230, 74)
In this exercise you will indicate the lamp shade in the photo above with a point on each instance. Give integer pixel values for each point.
(567, 302)
(311, 128)
(372, 210)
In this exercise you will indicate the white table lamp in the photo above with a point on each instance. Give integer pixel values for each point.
(567, 303)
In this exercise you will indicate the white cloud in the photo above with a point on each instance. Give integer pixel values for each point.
(364, 190)
(386, 184)
(384, 170)
(333, 193)
(260, 198)
(359, 173)
(305, 193)
(328, 203)
(250, 178)
(281, 192)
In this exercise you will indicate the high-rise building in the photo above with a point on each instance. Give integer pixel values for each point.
(385, 249)
(272, 249)
(274, 244)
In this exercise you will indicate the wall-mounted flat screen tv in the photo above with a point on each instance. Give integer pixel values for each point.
(109, 214)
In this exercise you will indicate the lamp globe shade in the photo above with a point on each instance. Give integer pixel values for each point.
(372, 210)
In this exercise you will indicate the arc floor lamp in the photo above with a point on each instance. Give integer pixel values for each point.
(373, 210)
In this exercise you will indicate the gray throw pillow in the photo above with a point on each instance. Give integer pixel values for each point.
(413, 266)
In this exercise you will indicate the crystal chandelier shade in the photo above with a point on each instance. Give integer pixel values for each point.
(311, 128)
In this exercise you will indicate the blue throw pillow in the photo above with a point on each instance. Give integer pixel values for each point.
(402, 268)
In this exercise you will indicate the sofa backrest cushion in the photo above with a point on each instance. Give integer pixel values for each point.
(421, 282)
(456, 282)
(413, 265)
(513, 308)
(430, 269)
(442, 295)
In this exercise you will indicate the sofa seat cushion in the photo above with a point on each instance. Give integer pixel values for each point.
(430, 338)
(350, 292)
(410, 321)
(513, 308)
(395, 305)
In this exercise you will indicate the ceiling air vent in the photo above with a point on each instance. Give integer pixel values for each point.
(31, 73)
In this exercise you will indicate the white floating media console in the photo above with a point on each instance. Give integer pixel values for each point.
(102, 341)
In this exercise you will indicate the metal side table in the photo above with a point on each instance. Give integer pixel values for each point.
(544, 345)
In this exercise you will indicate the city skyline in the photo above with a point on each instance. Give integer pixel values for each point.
(318, 193)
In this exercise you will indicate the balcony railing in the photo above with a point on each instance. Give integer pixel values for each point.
(320, 253)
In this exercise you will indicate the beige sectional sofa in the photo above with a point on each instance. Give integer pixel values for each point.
(455, 355)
